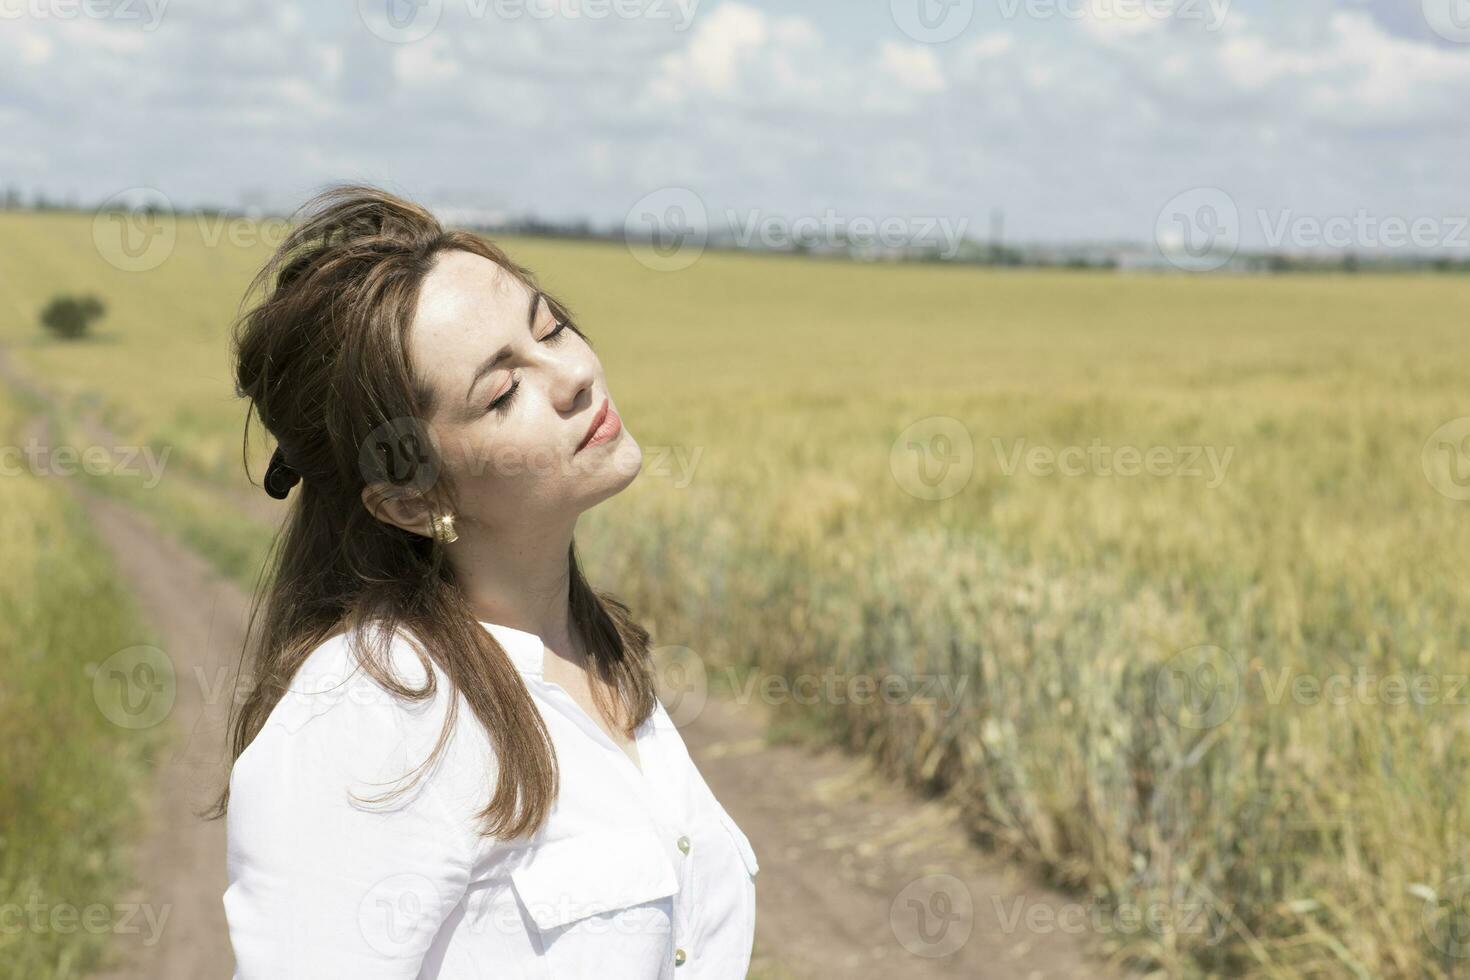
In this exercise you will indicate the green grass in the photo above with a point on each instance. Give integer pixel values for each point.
(1313, 831)
(73, 781)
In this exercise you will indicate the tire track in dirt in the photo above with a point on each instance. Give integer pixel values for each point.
(179, 862)
(249, 500)
(862, 880)
(848, 861)
(200, 620)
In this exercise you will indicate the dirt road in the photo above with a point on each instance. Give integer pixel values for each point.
(200, 620)
(858, 879)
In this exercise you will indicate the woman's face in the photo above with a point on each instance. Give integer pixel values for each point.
(516, 394)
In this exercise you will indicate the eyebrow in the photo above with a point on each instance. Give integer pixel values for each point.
(494, 360)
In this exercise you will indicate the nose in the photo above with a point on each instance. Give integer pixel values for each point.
(576, 377)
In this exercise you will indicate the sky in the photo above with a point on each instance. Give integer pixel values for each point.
(1078, 120)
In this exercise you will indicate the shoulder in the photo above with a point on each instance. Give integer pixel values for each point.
(336, 807)
(348, 671)
(339, 725)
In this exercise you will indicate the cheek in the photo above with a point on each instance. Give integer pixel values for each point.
(511, 466)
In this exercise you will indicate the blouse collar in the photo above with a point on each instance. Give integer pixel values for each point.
(526, 650)
(528, 654)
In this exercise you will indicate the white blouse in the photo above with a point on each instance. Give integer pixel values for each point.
(636, 873)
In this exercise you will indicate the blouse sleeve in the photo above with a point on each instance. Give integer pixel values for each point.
(322, 884)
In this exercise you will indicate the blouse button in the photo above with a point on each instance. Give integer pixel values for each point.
(684, 844)
(678, 957)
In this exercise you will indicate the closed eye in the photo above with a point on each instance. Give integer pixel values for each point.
(502, 404)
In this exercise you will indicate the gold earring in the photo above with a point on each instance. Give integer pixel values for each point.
(444, 528)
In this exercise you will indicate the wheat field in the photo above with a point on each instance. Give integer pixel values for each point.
(1187, 552)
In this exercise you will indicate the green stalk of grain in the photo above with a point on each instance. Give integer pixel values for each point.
(1321, 838)
(73, 782)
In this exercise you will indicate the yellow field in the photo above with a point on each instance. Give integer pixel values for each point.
(1320, 827)
(73, 781)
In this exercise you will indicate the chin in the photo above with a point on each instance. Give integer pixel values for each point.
(609, 471)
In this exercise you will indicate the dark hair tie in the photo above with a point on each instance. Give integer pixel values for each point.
(279, 476)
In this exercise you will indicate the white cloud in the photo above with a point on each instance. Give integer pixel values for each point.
(1075, 129)
(428, 62)
(740, 56)
(1108, 20)
(1351, 72)
(34, 49)
(729, 36)
(911, 66)
(992, 45)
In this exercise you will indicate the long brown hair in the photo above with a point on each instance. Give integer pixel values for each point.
(323, 358)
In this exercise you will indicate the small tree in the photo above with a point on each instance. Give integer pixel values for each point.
(69, 317)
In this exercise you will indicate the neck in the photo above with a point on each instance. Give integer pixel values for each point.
(519, 579)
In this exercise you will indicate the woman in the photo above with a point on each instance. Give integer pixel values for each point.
(451, 762)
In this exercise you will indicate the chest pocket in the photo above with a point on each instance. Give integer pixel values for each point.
(598, 898)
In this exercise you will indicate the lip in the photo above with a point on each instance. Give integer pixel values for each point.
(598, 421)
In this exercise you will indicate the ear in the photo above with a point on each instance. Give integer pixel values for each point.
(402, 507)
